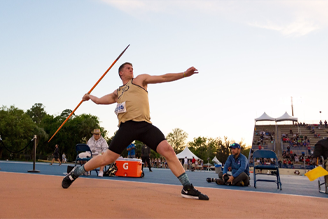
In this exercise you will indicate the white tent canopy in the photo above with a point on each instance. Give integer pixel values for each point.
(286, 117)
(215, 160)
(265, 117)
(187, 153)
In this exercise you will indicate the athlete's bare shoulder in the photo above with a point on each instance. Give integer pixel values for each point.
(141, 80)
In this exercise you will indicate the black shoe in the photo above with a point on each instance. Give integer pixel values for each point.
(150, 171)
(191, 192)
(69, 179)
(219, 182)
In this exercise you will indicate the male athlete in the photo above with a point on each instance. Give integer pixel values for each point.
(132, 111)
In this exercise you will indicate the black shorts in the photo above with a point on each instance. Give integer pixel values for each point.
(141, 131)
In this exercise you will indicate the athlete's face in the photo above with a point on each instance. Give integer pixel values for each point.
(127, 71)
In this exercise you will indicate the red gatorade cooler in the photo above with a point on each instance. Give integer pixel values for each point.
(129, 167)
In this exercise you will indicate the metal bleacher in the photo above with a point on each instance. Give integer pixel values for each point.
(278, 146)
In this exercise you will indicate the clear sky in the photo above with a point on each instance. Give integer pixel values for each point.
(252, 56)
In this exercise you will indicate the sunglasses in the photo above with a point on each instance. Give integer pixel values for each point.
(96, 134)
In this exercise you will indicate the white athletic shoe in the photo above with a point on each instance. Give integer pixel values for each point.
(100, 174)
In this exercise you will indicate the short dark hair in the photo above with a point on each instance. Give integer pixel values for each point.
(122, 66)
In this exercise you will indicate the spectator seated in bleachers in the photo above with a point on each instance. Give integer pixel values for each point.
(307, 160)
(316, 135)
(302, 157)
(290, 164)
(284, 154)
(273, 161)
(309, 150)
(296, 158)
(284, 164)
(304, 143)
(312, 130)
(279, 163)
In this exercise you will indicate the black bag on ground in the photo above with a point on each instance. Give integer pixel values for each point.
(111, 170)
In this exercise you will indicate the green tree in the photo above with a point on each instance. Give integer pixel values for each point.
(36, 112)
(76, 130)
(199, 147)
(205, 148)
(245, 151)
(66, 113)
(177, 139)
(17, 129)
(224, 151)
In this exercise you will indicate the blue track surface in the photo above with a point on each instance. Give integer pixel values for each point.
(293, 185)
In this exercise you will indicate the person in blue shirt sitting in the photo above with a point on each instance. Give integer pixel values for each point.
(131, 151)
(240, 169)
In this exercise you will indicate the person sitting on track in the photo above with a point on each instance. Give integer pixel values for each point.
(239, 168)
(133, 113)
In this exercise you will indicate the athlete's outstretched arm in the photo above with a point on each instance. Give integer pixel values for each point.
(107, 99)
(148, 79)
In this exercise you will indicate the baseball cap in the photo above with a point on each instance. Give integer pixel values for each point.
(234, 145)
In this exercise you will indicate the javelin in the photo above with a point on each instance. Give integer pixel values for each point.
(90, 91)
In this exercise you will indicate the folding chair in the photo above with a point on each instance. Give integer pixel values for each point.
(83, 148)
(323, 183)
(266, 154)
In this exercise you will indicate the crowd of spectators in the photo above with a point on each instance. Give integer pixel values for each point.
(295, 139)
(197, 164)
(289, 159)
(158, 163)
(162, 163)
(263, 161)
(265, 137)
